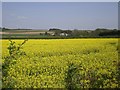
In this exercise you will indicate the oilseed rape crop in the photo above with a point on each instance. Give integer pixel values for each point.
(62, 63)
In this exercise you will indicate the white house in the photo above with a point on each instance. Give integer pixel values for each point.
(63, 34)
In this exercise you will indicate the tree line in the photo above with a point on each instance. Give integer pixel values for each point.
(99, 32)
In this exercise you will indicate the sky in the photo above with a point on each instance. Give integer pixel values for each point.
(60, 0)
(63, 15)
(119, 16)
(0, 14)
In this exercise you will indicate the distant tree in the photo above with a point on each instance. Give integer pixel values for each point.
(54, 29)
(57, 31)
(110, 33)
(46, 33)
(3, 29)
(67, 31)
(101, 29)
(114, 29)
(41, 34)
(76, 33)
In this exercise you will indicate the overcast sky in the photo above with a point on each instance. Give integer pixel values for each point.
(69, 15)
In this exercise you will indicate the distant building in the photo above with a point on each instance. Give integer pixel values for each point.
(51, 33)
(63, 34)
(47, 33)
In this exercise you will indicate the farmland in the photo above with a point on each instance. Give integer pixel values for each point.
(62, 63)
(58, 33)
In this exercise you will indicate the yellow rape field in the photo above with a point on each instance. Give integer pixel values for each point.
(63, 63)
